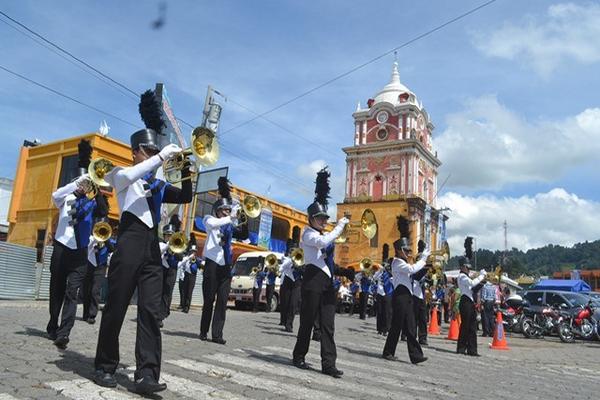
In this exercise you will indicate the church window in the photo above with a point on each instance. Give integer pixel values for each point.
(382, 134)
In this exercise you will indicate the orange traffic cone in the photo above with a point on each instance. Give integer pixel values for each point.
(499, 342)
(434, 327)
(453, 331)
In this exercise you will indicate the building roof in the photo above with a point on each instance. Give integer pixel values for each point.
(392, 90)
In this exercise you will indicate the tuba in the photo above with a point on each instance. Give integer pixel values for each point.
(494, 276)
(101, 231)
(438, 260)
(297, 256)
(204, 148)
(368, 226)
(98, 169)
(178, 243)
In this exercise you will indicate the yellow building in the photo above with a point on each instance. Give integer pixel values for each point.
(42, 169)
(392, 170)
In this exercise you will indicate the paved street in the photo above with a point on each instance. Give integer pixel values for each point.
(255, 363)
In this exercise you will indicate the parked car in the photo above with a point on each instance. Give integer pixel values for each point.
(242, 282)
(538, 299)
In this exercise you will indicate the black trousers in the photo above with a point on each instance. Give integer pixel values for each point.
(403, 319)
(255, 298)
(384, 313)
(189, 282)
(136, 263)
(420, 311)
(216, 284)
(294, 303)
(94, 278)
(318, 296)
(285, 291)
(363, 304)
(270, 290)
(181, 286)
(487, 318)
(467, 336)
(67, 271)
(169, 278)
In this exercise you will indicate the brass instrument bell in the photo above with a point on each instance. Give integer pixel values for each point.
(178, 243)
(98, 169)
(251, 208)
(368, 226)
(297, 256)
(102, 231)
(271, 263)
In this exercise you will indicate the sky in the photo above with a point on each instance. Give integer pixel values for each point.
(511, 89)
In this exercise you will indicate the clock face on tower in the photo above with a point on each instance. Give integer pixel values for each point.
(382, 117)
(420, 122)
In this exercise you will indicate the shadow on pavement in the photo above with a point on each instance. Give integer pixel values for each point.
(184, 334)
(367, 353)
(33, 332)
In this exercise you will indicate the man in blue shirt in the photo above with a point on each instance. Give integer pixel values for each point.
(488, 298)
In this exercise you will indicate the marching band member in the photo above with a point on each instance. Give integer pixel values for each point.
(221, 228)
(189, 267)
(354, 292)
(385, 289)
(318, 295)
(259, 277)
(137, 261)
(290, 291)
(365, 291)
(403, 318)
(170, 261)
(98, 256)
(285, 271)
(467, 336)
(69, 258)
(270, 287)
(420, 305)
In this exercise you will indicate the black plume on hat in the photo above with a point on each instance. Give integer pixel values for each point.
(85, 153)
(403, 226)
(150, 111)
(385, 253)
(322, 186)
(469, 247)
(175, 221)
(224, 188)
(421, 246)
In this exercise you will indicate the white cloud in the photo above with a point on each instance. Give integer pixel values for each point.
(487, 146)
(568, 32)
(555, 217)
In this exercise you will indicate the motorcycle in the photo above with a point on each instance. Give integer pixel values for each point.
(512, 318)
(579, 323)
(539, 324)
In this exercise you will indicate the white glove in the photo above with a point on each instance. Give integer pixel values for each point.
(426, 253)
(482, 272)
(343, 221)
(169, 151)
(234, 209)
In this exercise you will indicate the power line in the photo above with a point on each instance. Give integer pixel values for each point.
(58, 93)
(358, 67)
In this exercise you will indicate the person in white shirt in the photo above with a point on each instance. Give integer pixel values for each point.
(69, 257)
(170, 261)
(289, 291)
(467, 336)
(189, 266)
(221, 228)
(137, 262)
(318, 293)
(403, 318)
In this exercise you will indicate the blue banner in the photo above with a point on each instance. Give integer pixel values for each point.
(264, 228)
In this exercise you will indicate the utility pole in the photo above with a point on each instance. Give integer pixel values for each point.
(505, 243)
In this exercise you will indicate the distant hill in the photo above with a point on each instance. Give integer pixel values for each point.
(542, 261)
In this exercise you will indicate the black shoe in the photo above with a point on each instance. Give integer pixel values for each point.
(384, 333)
(333, 372)
(61, 342)
(91, 321)
(186, 310)
(161, 323)
(105, 379)
(300, 364)
(423, 342)
(474, 354)
(316, 338)
(282, 324)
(219, 340)
(390, 357)
(148, 385)
(52, 336)
(463, 352)
(289, 329)
(203, 337)
(418, 360)
(403, 338)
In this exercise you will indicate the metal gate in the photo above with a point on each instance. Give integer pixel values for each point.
(17, 271)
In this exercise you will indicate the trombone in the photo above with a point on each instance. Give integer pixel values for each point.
(368, 226)
(204, 148)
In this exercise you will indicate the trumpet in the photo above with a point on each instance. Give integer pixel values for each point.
(368, 226)
(178, 243)
(88, 187)
(494, 276)
(250, 208)
(297, 256)
(101, 232)
(438, 260)
(204, 148)
(271, 263)
(254, 271)
(98, 169)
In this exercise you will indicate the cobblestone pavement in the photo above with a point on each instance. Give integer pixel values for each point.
(255, 363)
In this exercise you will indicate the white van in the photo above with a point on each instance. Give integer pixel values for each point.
(242, 283)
